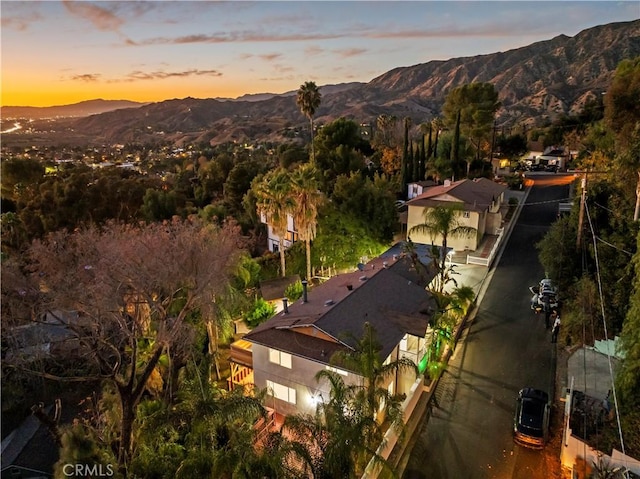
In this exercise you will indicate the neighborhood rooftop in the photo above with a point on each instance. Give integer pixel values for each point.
(476, 194)
(388, 292)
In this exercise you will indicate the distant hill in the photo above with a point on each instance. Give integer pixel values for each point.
(324, 90)
(84, 108)
(536, 83)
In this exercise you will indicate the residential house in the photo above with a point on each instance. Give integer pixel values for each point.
(536, 148)
(554, 157)
(482, 206)
(285, 353)
(273, 240)
(418, 187)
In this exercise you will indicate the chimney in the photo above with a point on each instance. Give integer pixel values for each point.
(384, 264)
(350, 287)
(304, 290)
(285, 304)
(447, 182)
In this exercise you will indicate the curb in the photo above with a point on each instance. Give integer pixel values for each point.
(423, 410)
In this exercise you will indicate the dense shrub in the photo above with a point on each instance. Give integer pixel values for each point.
(294, 291)
(260, 312)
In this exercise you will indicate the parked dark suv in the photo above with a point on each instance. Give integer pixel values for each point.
(531, 423)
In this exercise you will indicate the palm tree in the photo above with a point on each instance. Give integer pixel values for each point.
(339, 439)
(347, 429)
(273, 199)
(450, 309)
(365, 360)
(442, 221)
(307, 198)
(308, 100)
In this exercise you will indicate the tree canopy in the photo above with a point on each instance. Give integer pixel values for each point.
(135, 291)
(477, 104)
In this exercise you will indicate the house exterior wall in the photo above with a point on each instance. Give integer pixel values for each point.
(494, 223)
(495, 206)
(413, 348)
(273, 240)
(459, 243)
(301, 377)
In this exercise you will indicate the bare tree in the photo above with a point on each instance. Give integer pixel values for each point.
(135, 291)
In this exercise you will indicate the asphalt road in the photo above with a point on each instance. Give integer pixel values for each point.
(468, 433)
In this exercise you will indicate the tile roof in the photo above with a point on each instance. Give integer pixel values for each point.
(475, 195)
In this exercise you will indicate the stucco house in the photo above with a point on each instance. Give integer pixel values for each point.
(481, 200)
(284, 354)
(273, 240)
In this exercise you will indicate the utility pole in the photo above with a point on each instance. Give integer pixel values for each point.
(581, 214)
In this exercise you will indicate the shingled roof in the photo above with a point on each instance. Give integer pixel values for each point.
(475, 195)
(387, 292)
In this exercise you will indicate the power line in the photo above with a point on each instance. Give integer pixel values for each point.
(606, 336)
(603, 207)
(614, 246)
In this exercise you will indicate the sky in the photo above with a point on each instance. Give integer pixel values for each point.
(64, 52)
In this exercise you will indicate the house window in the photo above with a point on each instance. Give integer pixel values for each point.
(281, 392)
(336, 370)
(465, 214)
(291, 236)
(278, 357)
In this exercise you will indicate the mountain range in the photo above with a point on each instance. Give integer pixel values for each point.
(536, 83)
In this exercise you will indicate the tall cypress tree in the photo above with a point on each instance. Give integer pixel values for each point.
(423, 160)
(405, 158)
(415, 160)
(435, 144)
(455, 147)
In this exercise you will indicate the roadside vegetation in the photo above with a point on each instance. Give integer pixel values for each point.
(593, 253)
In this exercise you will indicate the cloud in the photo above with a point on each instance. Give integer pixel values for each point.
(15, 23)
(283, 68)
(350, 52)
(101, 18)
(270, 56)
(161, 75)
(140, 75)
(87, 77)
(20, 17)
(241, 37)
(313, 50)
